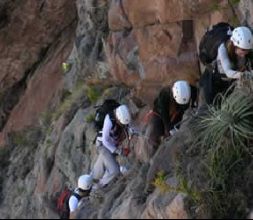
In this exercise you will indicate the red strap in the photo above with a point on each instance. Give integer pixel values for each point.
(148, 116)
(61, 199)
(174, 116)
(126, 151)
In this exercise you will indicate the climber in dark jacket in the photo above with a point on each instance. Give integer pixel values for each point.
(168, 111)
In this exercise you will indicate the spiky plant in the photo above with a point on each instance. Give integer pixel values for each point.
(223, 150)
(230, 123)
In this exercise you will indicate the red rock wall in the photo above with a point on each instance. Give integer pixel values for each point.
(150, 44)
(154, 42)
(36, 38)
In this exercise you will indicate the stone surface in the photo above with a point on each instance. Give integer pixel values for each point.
(168, 206)
(148, 44)
(35, 39)
(124, 14)
(153, 55)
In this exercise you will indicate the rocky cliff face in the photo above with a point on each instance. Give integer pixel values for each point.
(35, 37)
(152, 43)
(121, 49)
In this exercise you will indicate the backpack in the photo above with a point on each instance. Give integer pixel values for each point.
(211, 41)
(63, 203)
(106, 108)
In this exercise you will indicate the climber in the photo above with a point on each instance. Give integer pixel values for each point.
(168, 110)
(83, 190)
(233, 61)
(106, 167)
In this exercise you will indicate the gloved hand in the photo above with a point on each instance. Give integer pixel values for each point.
(121, 152)
(173, 131)
(132, 132)
(126, 151)
(118, 152)
(247, 75)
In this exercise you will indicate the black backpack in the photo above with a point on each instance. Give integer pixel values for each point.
(63, 202)
(211, 41)
(106, 108)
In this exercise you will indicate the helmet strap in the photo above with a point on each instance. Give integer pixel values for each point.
(84, 192)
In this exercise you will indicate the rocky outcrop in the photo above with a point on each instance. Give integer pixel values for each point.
(167, 206)
(152, 43)
(149, 45)
(88, 56)
(35, 37)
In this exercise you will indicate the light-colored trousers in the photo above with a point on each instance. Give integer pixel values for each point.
(106, 167)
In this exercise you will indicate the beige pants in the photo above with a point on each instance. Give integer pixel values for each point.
(106, 168)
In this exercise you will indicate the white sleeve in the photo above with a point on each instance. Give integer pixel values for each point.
(107, 140)
(225, 63)
(73, 203)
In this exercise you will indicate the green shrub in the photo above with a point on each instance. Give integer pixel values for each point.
(45, 121)
(66, 67)
(234, 2)
(90, 118)
(28, 137)
(182, 187)
(215, 7)
(221, 156)
(69, 101)
(93, 93)
(227, 124)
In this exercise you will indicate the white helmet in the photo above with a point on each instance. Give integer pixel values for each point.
(123, 114)
(85, 182)
(242, 38)
(181, 92)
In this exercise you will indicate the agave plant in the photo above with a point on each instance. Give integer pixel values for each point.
(230, 123)
(223, 149)
(223, 136)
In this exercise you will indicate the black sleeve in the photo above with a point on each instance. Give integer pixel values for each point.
(162, 105)
(194, 96)
(250, 59)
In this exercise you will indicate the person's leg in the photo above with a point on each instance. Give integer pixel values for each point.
(99, 168)
(111, 166)
(207, 92)
(222, 88)
(154, 132)
(202, 98)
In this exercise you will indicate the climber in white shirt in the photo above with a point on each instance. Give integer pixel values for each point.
(108, 142)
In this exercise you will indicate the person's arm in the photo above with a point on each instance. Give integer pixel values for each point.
(107, 140)
(72, 215)
(162, 105)
(73, 205)
(224, 61)
(194, 96)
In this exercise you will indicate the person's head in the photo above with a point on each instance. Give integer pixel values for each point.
(242, 40)
(85, 182)
(123, 115)
(181, 92)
